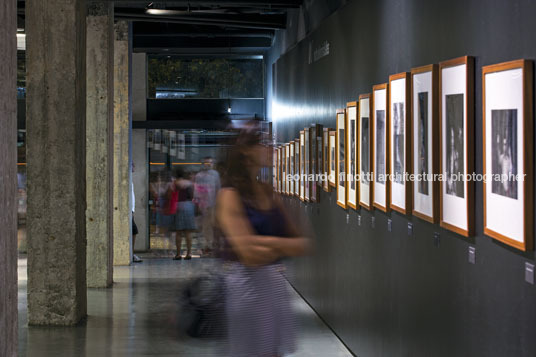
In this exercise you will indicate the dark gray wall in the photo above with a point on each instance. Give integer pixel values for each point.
(387, 293)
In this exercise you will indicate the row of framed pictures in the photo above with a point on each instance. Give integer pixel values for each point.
(410, 147)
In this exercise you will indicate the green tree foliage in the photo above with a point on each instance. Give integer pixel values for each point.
(205, 78)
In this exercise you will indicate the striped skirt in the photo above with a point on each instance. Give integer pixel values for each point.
(260, 319)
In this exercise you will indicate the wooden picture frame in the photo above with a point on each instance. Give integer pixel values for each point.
(278, 169)
(352, 188)
(283, 170)
(287, 168)
(425, 142)
(456, 150)
(302, 165)
(291, 167)
(380, 150)
(508, 146)
(314, 195)
(274, 169)
(325, 183)
(364, 150)
(307, 166)
(297, 167)
(400, 192)
(340, 145)
(332, 159)
(319, 156)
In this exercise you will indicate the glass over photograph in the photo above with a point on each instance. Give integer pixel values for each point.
(365, 166)
(504, 152)
(422, 143)
(352, 154)
(454, 142)
(380, 146)
(398, 142)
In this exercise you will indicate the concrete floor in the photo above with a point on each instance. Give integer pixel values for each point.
(139, 316)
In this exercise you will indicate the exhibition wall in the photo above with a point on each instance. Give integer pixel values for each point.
(394, 292)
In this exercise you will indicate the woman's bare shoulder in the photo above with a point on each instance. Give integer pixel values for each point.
(228, 196)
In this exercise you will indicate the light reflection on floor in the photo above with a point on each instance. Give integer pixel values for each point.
(139, 317)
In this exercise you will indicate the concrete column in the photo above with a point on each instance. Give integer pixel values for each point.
(122, 213)
(99, 143)
(8, 178)
(56, 161)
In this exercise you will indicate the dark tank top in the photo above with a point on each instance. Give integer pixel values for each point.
(270, 222)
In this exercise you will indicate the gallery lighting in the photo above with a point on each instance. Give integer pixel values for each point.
(165, 12)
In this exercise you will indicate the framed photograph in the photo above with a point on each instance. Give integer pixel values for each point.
(283, 170)
(340, 176)
(287, 168)
(281, 167)
(277, 169)
(400, 193)
(319, 155)
(380, 150)
(172, 143)
(314, 131)
(351, 155)
(165, 144)
(297, 167)
(302, 165)
(312, 163)
(307, 166)
(332, 158)
(274, 169)
(507, 126)
(291, 168)
(181, 150)
(326, 155)
(456, 149)
(157, 139)
(364, 144)
(425, 146)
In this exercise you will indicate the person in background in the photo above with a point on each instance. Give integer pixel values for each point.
(257, 234)
(135, 258)
(169, 211)
(159, 190)
(207, 185)
(185, 216)
(153, 198)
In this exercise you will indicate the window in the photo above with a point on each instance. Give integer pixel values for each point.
(174, 77)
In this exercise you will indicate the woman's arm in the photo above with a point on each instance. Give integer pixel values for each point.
(298, 244)
(250, 248)
(288, 247)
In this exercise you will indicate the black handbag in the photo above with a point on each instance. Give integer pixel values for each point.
(204, 306)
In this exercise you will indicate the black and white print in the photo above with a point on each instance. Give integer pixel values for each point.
(365, 166)
(352, 153)
(380, 146)
(341, 158)
(504, 152)
(398, 144)
(454, 135)
(422, 145)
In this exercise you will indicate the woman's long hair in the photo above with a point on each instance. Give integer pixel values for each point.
(236, 172)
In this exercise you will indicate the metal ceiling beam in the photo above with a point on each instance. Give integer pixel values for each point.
(269, 20)
(143, 29)
(194, 21)
(206, 34)
(282, 4)
(188, 42)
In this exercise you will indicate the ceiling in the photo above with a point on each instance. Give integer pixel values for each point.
(201, 26)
